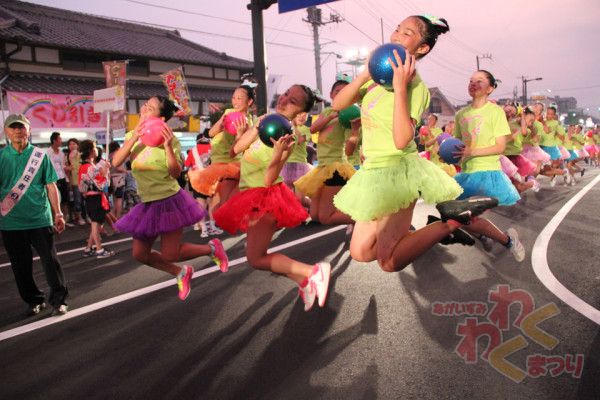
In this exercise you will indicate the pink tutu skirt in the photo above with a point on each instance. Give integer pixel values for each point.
(564, 153)
(147, 221)
(535, 154)
(508, 167)
(591, 149)
(525, 167)
(582, 153)
(250, 205)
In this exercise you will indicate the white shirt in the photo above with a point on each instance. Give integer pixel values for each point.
(58, 162)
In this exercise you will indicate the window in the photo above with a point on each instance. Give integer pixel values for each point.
(435, 106)
(81, 62)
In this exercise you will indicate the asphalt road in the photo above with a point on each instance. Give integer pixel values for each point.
(244, 334)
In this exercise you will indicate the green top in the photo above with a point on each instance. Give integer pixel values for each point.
(377, 118)
(546, 139)
(151, 172)
(33, 210)
(255, 162)
(221, 144)
(331, 141)
(514, 147)
(577, 141)
(299, 154)
(528, 138)
(479, 128)
(433, 133)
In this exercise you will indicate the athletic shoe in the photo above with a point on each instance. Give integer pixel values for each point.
(458, 236)
(196, 227)
(204, 233)
(515, 247)
(104, 253)
(536, 185)
(89, 252)
(60, 310)
(184, 279)
(320, 279)
(553, 181)
(214, 231)
(219, 256)
(486, 242)
(307, 294)
(35, 309)
(463, 210)
(582, 172)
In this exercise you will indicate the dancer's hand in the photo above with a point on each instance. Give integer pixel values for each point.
(167, 133)
(403, 72)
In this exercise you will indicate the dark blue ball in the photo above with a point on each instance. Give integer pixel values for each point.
(379, 67)
(273, 126)
(448, 148)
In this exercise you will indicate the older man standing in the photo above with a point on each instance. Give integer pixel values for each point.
(29, 200)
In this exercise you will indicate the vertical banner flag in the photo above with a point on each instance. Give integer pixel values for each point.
(115, 74)
(178, 91)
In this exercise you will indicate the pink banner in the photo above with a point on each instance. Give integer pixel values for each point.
(56, 110)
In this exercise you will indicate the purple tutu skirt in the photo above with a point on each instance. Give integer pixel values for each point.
(147, 221)
(292, 171)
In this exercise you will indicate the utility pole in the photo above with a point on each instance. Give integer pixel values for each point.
(525, 80)
(485, 56)
(314, 17)
(260, 59)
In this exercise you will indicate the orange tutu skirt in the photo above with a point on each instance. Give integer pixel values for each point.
(206, 180)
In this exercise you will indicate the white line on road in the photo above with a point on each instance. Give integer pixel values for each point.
(539, 259)
(149, 289)
(74, 250)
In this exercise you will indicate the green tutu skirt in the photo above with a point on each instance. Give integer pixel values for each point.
(373, 193)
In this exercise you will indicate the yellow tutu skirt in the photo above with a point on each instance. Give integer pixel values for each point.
(311, 183)
(206, 180)
(373, 193)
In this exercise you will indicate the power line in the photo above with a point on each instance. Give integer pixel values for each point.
(351, 24)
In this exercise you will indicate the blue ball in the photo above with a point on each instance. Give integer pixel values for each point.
(448, 148)
(379, 67)
(273, 126)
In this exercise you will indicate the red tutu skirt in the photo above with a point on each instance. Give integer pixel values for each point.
(250, 205)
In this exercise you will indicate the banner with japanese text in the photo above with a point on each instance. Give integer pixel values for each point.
(56, 110)
(115, 74)
(177, 88)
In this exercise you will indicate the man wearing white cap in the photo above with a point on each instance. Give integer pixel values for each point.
(29, 214)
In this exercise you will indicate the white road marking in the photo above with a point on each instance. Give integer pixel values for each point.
(539, 259)
(149, 289)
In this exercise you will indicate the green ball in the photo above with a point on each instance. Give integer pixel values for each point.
(273, 126)
(348, 114)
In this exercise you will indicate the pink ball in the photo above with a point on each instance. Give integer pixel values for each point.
(151, 131)
(230, 119)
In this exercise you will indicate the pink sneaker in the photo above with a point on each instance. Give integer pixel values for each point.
(320, 279)
(220, 257)
(307, 294)
(184, 279)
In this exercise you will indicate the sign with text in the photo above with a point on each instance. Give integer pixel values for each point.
(292, 5)
(46, 110)
(109, 99)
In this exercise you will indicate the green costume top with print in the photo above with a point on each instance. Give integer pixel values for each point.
(299, 153)
(514, 147)
(33, 210)
(151, 172)
(479, 128)
(221, 143)
(331, 140)
(377, 116)
(547, 139)
(255, 161)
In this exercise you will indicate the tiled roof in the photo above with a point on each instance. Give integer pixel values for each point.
(86, 86)
(39, 25)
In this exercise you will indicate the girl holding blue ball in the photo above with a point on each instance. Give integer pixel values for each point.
(382, 194)
(265, 204)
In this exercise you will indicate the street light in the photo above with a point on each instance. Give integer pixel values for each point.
(525, 88)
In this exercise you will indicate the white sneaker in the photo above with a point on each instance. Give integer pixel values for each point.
(214, 231)
(308, 295)
(204, 233)
(516, 247)
(320, 279)
(536, 186)
(553, 181)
